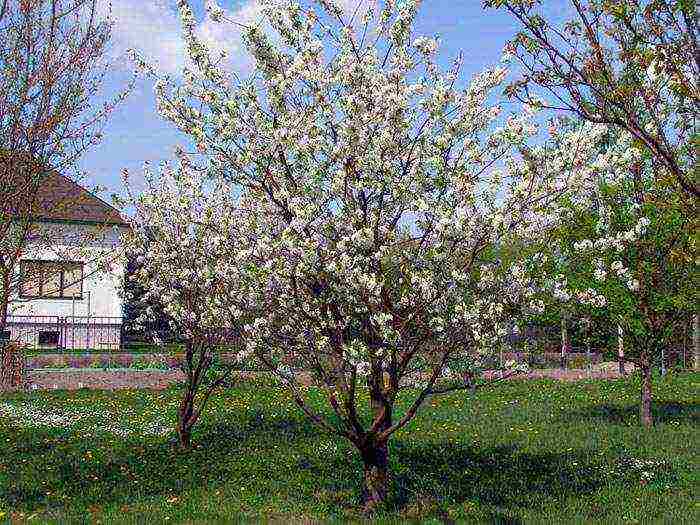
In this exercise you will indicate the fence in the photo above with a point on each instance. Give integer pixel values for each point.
(66, 333)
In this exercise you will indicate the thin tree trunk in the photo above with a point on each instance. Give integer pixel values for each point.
(645, 404)
(185, 422)
(4, 301)
(588, 345)
(696, 342)
(685, 344)
(620, 350)
(184, 437)
(13, 367)
(375, 455)
(663, 361)
(564, 341)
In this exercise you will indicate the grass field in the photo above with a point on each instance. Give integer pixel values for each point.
(528, 452)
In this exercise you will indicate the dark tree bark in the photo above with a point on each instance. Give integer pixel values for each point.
(185, 423)
(375, 458)
(4, 303)
(186, 419)
(375, 451)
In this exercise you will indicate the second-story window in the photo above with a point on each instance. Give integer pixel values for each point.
(51, 280)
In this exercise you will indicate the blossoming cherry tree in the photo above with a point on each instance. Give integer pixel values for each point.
(355, 202)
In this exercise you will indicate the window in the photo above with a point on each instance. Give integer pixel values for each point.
(48, 338)
(5, 335)
(51, 280)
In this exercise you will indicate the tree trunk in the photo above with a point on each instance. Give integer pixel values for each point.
(375, 454)
(13, 367)
(185, 422)
(663, 361)
(184, 436)
(3, 316)
(696, 342)
(588, 345)
(645, 405)
(376, 475)
(4, 303)
(620, 350)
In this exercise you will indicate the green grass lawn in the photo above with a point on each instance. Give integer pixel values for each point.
(527, 452)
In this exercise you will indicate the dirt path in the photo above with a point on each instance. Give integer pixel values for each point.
(160, 379)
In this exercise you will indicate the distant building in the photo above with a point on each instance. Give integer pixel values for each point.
(68, 294)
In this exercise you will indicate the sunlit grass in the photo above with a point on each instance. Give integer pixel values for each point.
(536, 451)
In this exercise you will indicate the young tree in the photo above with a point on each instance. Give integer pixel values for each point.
(630, 64)
(355, 209)
(622, 249)
(176, 259)
(52, 63)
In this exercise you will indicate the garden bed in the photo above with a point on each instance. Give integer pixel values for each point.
(103, 360)
(103, 380)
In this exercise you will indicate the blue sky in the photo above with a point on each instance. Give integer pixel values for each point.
(135, 133)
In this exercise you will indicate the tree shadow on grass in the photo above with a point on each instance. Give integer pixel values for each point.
(500, 478)
(662, 411)
(255, 424)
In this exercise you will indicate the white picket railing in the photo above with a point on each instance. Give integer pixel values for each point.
(67, 333)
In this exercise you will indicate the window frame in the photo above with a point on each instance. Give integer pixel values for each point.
(55, 334)
(63, 264)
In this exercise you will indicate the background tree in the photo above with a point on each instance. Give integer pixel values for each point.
(696, 342)
(52, 66)
(355, 212)
(630, 64)
(623, 248)
(140, 329)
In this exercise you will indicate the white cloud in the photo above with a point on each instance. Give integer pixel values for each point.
(152, 28)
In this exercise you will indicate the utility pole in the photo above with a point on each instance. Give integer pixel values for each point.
(620, 350)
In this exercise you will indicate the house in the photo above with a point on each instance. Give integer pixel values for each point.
(66, 292)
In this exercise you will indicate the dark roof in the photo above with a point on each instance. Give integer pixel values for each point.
(61, 199)
(57, 199)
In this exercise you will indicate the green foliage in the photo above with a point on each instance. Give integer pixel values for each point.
(661, 261)
(532, 452)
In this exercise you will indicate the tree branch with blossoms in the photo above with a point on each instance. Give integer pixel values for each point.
(632, 65)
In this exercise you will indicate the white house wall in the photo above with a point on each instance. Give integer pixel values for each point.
(81, 243)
